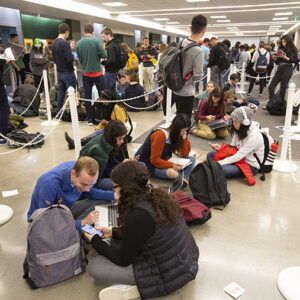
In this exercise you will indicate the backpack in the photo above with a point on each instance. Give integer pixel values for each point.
(261, 63)
(122, 58)
(54, 247)
(171, 67)
(276, 106)
(270, 151)
(151, 101)
(224, 59)
(23, 137)
(194, 212)
(132, 62)
(208, 184)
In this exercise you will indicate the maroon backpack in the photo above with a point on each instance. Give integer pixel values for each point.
(194, 212)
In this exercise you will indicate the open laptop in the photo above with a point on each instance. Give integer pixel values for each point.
(176, 185)
(108, 215)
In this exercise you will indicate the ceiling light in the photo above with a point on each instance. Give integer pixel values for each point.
(161, 19)
(280, 19)
(172, 23)
(289, 13)
(197, 0)
(114, 4)
(223, 21)
(218, 17)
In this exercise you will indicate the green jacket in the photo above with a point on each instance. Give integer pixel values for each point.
(90, 51)
(98, 149)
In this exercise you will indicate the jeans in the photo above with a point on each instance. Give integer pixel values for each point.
(184, 104)
(110, 80)
(19, 109)
(65, 80)
(231, 170)
(204, 81)
(20, 75)
(88, 83)
(262, 82)
(162, 173)
(4, 110)
(217, 76)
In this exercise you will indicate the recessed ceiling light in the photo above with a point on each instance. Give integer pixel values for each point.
(197, 0)
(283, 13)
(223, 21)
(275, 26)
(280, 19)
(172, 23)
(114, 4)
(218, 17)
(161, 19)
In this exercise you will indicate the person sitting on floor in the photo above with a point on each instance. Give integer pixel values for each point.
(210, 86)
(247, 141)
(152, 249)
(231, 85)
(228, 98)
(108, 149)
(159, 146)
(22, 98)
(209, 111)
(104, 112)
(122, 85)
(134, 90)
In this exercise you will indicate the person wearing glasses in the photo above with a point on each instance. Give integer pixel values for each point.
(65, 184)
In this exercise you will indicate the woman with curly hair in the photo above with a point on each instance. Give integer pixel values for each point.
(108, 149)
(152, 249)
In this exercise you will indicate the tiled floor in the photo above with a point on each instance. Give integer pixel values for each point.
(249, 242)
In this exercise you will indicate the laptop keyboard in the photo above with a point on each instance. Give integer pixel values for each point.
(112, 215)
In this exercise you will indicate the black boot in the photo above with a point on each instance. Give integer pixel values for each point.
(83, 141)
(70, 141)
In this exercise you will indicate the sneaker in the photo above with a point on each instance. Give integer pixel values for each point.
(184, 184)
(248, 94)
(120, 292)
(264, 108)
(259, 95)
(90, 122)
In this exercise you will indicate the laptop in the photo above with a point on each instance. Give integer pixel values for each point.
(108, 215)
(176, 185)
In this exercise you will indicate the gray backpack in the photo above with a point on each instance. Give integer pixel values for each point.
(54, 247)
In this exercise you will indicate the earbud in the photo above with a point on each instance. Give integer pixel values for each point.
(246, 121)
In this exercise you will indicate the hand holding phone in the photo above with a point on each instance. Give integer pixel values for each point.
(91, 230)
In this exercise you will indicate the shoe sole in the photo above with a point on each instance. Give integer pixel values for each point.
(117, 293)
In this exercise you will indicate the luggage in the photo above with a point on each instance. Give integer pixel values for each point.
(208, 184)
(55, 250)
(194, 212)
(23, 137)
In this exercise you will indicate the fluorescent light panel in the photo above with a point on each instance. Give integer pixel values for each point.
(218, 17)
(280, 19)
(289, 13)
(114, 4)
(172, 23)
(223, 21)
(161, 19)
(197, 0)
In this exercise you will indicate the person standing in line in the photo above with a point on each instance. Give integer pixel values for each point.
(148, 52)
(243, 57)
(90, 51)
(63, 58)
(19, 65)
(4, 107)
(113, 56)
(192, 64)
(206, 50)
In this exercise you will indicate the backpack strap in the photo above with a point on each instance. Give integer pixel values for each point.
(266, 150)
(26, 275)
(210, 179)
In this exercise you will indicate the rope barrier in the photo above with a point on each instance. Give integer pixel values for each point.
(143, 108)
(247, 75)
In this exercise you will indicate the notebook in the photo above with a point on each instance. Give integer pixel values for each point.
(180, 161)
(13, 52)
(216, 124)
(108, 215)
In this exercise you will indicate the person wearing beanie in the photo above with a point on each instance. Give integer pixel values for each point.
(247, 141)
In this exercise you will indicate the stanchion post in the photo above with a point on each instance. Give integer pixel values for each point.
(169, 108)
(75, 72)
(55, 74)
(141, 74)
(47, 97)
(208, 74)
(234, 69)
(75, 123)
(12, 77)
(243, 77)
(231, 70)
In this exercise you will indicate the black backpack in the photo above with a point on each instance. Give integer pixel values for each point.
(122, 57)
(171, 67)
(276, 106)
(208, 184)
(224, 59)
(23, 137)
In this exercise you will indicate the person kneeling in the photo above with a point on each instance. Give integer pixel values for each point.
(152, 249)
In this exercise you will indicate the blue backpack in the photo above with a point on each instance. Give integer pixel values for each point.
(262, 63)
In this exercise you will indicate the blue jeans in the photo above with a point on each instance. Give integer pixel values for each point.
(110, 80)
(65, 80)
(18, 108)
(231, 170)
(204, 80)
(4, 110)
(162, 173)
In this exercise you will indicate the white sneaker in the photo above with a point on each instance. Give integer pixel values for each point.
(120, 292)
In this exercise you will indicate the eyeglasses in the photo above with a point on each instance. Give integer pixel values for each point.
(116, 186)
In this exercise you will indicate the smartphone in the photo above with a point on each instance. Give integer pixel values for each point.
(213, 117)
(91, 230)
(137, 157)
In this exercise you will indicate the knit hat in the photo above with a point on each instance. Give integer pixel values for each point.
(239, 113)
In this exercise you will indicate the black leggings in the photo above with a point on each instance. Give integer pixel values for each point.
(262, 82)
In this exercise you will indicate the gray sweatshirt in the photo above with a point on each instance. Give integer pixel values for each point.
(192, 61)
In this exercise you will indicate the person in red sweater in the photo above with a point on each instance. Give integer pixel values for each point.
(159, 146)
(210, 110)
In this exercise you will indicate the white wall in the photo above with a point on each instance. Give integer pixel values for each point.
(243, 39)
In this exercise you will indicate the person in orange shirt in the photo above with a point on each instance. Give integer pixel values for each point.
(159, 146)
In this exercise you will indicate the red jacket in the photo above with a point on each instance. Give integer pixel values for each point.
(226, 151)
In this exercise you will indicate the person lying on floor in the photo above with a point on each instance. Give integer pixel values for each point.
(159, 146)
(104, 111)
(210, 110)
(152, 249)
(247, 140)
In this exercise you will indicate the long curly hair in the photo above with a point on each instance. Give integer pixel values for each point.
(133, 179)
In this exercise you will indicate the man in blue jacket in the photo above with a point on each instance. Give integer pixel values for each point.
(67, 182)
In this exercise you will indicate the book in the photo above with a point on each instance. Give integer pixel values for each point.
(216, 124)
(180, 161)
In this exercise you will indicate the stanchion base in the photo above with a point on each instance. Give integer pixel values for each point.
(6, 214)
(295, 129)
(295, 137)
(166, 125)
(284, 166)
(50, 123)
(288, 283)
(240, 91)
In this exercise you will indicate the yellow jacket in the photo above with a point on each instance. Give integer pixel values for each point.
(118, 113)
